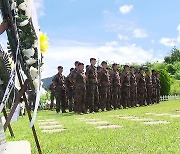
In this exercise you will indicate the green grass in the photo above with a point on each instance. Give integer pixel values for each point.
(80, 138)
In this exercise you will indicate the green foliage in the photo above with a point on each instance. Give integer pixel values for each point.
(174, 57)
(175, 87)
(45, 97)
(170, 68)
(165, 81)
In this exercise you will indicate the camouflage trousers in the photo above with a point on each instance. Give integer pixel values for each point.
(154, 94)
(104, 97)
(125, 94)
(70, 98)
(133, 96)
(158, 94)
(141, 95)
(115, 96)
(93, 97)
(60, 101)
(52, 97)
(149, 95)
(80, 98)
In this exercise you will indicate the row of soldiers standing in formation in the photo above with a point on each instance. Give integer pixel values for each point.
(103, 88)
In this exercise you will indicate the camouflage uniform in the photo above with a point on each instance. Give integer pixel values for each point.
(52, 96)
(133, 89)
(154, 89)
(104, 83)
(141, 89)
(92, 91)
(71, 79)
(80, 91)
(115, 87)
(125, 89)
(158, 89)
(148, 80)
(70, 91)
(60, 92)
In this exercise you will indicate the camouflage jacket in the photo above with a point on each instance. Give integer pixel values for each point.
(141, 81)
(115, 78)
(148, 80)
(59, 81)
(125, 79)
(79, 79)
(104, 77)
(91, 73)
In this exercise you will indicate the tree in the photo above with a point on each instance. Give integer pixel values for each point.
(165, 82)
(174, 57)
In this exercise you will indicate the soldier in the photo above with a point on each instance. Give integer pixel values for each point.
(133, 87)
(104, 83)
(60, 92)
(91, 76)
(71, 78)
(148, 87)
(115, 85)
(99, 70)
(154, 87)
(52, 94)
(69, 88)
(80, 89)
(141, 87)
(125, 88)
(158, 87)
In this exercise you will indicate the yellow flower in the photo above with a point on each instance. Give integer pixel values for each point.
(43, 42)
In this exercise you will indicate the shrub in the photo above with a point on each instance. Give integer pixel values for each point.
(165, 82)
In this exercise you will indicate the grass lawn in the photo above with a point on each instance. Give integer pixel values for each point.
(81, 138)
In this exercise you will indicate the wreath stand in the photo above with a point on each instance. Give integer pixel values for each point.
(8, 118)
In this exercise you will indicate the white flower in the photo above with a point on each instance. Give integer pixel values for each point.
(23, 6)
(24, 23)
(35, 45)
(13, 5)
(28, 12)
(31, 61)
(33, 72)
(35, 82)
(28, 52)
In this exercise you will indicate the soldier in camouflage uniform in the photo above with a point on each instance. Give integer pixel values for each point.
(115, 85)
(80, 89)
(133, 87)
(141, 87)
(69, 88)
(125, 87)
(52, 94)
(148, 87)
(60, 92)
(104, 83)
(154, 87)
(71, 79)
(158, 87)
(92, 83)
